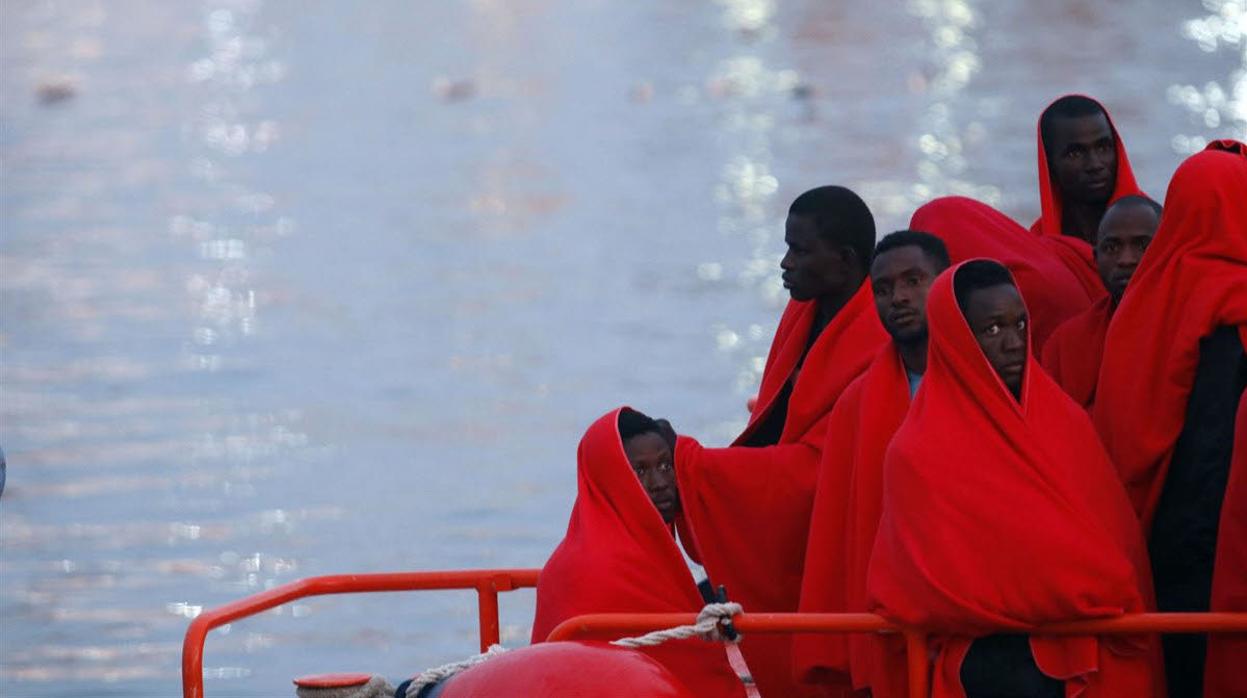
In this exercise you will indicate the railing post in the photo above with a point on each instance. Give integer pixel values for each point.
(916, 657)
(487, 612)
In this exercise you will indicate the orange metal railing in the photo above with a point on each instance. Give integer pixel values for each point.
(617, 624)
(487, 584)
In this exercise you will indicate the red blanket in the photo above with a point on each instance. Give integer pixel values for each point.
(1224, 675)
(749, 508)
(1074, 251)
(973, 229)
(1073, 353)
(842, 530)
(619, 556)
(1192, 280)
(1001, 514)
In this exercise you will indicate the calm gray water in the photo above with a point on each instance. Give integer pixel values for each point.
(292, 288)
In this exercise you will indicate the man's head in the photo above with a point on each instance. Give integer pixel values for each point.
(1081, 148)
(905, 263)
(997, 317)
(1125, 232)
(649, 454)
(830, 235)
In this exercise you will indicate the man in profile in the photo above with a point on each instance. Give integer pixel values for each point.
(1073, 352)
(748, 505)
(1083, 168)
(850, 484)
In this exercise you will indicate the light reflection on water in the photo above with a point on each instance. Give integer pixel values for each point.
(291, 292)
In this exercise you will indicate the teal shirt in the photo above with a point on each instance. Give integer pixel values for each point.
(915, 379)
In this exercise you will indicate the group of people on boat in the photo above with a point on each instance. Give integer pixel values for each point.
(965, 427)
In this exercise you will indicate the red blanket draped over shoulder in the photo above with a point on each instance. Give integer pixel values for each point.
(1074, 251)
(842, 531)
(973, 229)
(1192, 280)
(1073, 352)
(619, 556)
(749, 507)
(1002, 514)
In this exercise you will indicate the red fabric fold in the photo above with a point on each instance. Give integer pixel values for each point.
(619, 556)
(1192, 280)
(749, 508)
(1073, 352)
(845, 517)
(972, 229)
(1001, 514)
(1223, 674)
(1075, 252)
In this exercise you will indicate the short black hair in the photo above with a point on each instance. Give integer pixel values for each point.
(633, 423)
(978, 274)
(1068, 107)
(841, 217)
(933, 247)
(1138, 200)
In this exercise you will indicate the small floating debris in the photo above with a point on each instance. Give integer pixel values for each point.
(55, 90)
(641, 93)
(454, 90)
(803, 90)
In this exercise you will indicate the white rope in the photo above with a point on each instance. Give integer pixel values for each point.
(707, 626)
(445, 671)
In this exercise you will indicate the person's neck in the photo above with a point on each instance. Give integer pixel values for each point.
(914, 355)
(1082, 220)
(830, 305)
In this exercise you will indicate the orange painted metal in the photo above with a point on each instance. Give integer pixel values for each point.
(487, 584)
(332, 680)
(613, 625)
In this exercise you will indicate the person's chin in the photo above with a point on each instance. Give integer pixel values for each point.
(908, 334)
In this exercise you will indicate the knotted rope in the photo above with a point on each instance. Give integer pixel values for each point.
(708, 626)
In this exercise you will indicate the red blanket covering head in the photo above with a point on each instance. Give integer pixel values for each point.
(973, 229)
(1074, 251)
(1073, 353)
(619, 556)
(842, 529)
(1192, 280)
(749, 508)
(1001, 513)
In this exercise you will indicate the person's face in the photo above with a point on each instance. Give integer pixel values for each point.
(813, 267)
(1083, 158)
(901, 278)
(650, 458)
(1125, 232)
(998, 320)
